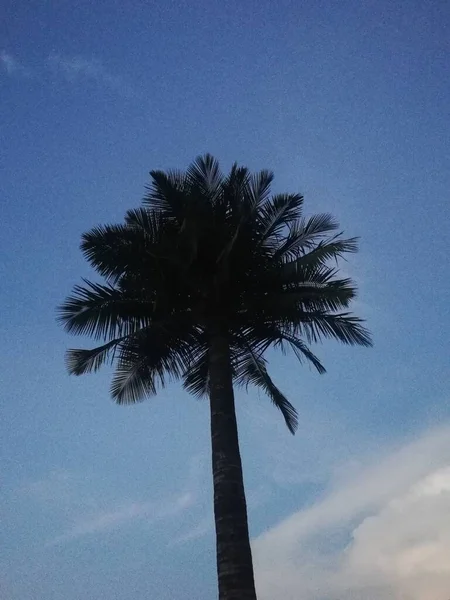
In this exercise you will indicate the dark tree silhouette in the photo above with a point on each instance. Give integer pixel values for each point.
(198, 283)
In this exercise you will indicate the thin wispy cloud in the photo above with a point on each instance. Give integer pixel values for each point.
(85, 509)
(63, 490)
(204, 526)
(108, 520)
(76, 70)
(79, 69)
(382, 535)
(12, 66)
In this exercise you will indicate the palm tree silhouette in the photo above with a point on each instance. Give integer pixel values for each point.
(198, 283)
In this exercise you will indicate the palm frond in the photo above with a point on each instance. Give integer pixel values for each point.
(252, 369)
(196, 377)
(110, 249)
(237, 204)
(343, 327)
(263, 335)
(332, 295)
(80, 361)
(279, 212)
(150, 221)
(133, 381)
(149, 359)
(166, 193)
(234, 189)
(319, 225)
(301, 350)
(294, 247)
(259, 188)
(102, 312)
(204, 175)
(296, 272)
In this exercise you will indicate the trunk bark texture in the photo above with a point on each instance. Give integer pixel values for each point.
(234, 557)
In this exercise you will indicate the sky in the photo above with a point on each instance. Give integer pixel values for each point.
(348, 103)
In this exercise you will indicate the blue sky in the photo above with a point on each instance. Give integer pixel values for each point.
(348, 103)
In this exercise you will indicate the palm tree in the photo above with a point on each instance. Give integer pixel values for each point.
(198, 283)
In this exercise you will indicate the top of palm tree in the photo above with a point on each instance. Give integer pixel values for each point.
(208, 253)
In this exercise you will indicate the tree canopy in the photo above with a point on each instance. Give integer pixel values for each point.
(211, 250)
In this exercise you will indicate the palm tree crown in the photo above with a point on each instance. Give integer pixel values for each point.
(210, 251)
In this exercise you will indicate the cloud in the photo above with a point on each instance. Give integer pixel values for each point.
(74, 69)
(12, 66)
(108, 520)
(79, 69)
(62, 490)
(204, 526)
(80, 505)
(381, 535)
(406, 544)
(9, 63)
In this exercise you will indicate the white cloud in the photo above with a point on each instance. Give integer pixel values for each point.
(78, 69)
(85, 508)
(62, 490)
(385, 534)
(108, 520)
(204, 526)
(12, 66)
(74, 69)
(407, 543)
(9, 62)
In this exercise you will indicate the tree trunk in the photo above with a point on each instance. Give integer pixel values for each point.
(234, 557)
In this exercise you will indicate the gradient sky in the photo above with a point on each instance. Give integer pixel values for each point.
(348, 102)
